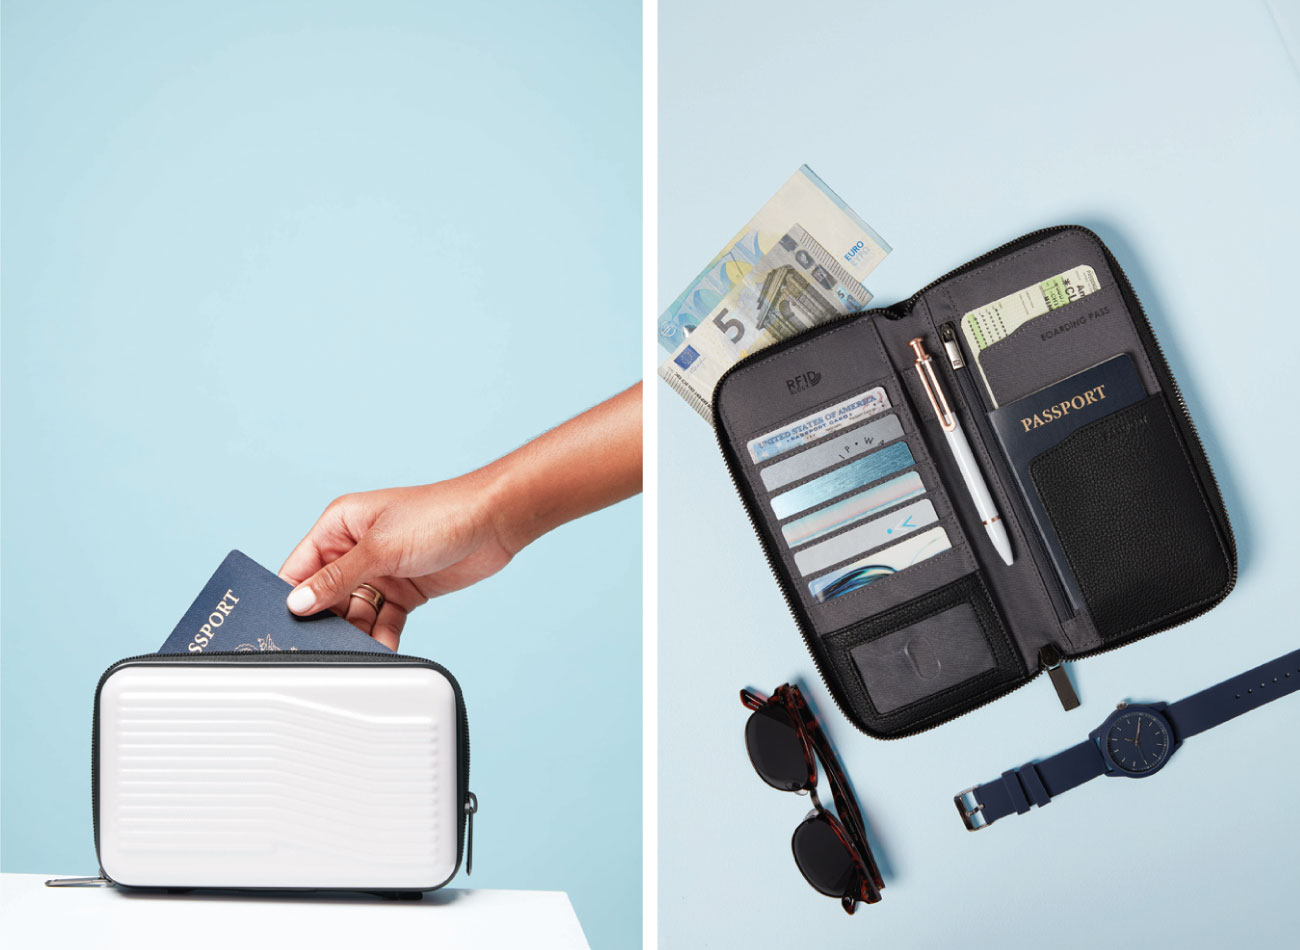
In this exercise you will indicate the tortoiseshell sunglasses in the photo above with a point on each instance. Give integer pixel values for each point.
(785, 740)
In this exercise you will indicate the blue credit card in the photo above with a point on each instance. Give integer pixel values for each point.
(242, 609)
(864, 471)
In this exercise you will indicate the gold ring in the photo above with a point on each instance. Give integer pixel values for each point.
(374, 599)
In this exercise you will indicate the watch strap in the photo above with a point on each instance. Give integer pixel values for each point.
(1034, 783)
(1229, 699)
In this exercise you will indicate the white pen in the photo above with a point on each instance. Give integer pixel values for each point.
(970, 473)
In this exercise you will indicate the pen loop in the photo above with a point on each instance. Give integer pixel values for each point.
(930, 380)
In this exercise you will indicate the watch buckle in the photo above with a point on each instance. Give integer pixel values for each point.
(966, 812)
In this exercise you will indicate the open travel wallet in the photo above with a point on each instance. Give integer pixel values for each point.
(1095, 484)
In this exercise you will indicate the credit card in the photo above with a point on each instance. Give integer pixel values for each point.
(864, 504)
(892, 458)
(865, 537)
(880, 564)
(996, 321)
(832, 451)
(821, 423)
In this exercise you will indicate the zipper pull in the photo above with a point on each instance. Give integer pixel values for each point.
(948, 336)
(100, 881)
(471, 808)
(1050, 657)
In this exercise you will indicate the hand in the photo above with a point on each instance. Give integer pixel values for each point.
(410, 543)
(415, 543)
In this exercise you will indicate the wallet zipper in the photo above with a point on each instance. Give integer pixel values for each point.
(902, 310)
(468, 800)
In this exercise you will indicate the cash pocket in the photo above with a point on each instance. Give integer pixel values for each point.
(1135, 526)
(945, 650)
(1059, 344)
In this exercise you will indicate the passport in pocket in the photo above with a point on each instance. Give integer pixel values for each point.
(1032, 425)
(242, 609)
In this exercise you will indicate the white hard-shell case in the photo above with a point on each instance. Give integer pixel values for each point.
(277, 775)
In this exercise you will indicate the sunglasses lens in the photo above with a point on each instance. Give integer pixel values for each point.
(825, 861)
(775, 749)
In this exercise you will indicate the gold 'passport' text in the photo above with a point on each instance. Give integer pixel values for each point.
(1064, 408)
(215, 619)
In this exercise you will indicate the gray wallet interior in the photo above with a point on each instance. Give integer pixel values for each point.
(1130, 496)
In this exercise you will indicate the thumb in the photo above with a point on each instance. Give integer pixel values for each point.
(332, 583)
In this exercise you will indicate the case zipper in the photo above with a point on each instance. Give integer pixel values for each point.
(902, 310)
(100, 881)
(471, 809)
(284, 656)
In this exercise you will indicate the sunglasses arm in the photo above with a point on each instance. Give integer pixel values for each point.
(752, 699)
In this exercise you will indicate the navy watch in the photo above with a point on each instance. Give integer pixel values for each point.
(1135, 741)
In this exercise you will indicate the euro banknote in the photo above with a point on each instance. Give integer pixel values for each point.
(803, 199)
(796, 285)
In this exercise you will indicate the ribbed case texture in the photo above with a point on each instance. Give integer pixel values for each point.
(263, 776)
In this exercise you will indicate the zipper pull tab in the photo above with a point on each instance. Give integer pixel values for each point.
(1050, 657)
(100, 881)
(948, 336)
(471, 808)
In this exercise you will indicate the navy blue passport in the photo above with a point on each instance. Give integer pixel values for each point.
(242, 609)
(1033, 424)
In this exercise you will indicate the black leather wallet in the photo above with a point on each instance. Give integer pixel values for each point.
(1117, 529)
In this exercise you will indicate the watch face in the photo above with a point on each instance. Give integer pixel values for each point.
(1137, 742)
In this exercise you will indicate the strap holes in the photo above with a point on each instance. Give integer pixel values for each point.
(1250, 691)
(1239, 695)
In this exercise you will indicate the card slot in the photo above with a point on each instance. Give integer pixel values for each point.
(936, 654)
(842, 481)
(805, 373)
(867, 570)
(894, 589)
(872, 434)
(854, 507)
(858, 540)
(1133, 520)
(1059, 344)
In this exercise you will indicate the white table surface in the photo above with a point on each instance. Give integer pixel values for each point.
(33, 915)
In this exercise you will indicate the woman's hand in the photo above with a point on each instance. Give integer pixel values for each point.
(415, 543)
(410, 543)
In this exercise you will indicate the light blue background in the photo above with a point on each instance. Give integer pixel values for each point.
(260, 254)
(1172, 129)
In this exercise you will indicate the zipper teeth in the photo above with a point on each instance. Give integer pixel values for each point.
(462, 725)
(900, 311)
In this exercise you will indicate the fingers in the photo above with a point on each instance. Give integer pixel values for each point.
(331, 584)
(341, 525)
(304, 561)
(388, 625)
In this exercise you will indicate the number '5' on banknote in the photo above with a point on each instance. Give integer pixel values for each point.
(796, 285)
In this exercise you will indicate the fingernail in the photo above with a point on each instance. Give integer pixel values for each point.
(301, 599)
